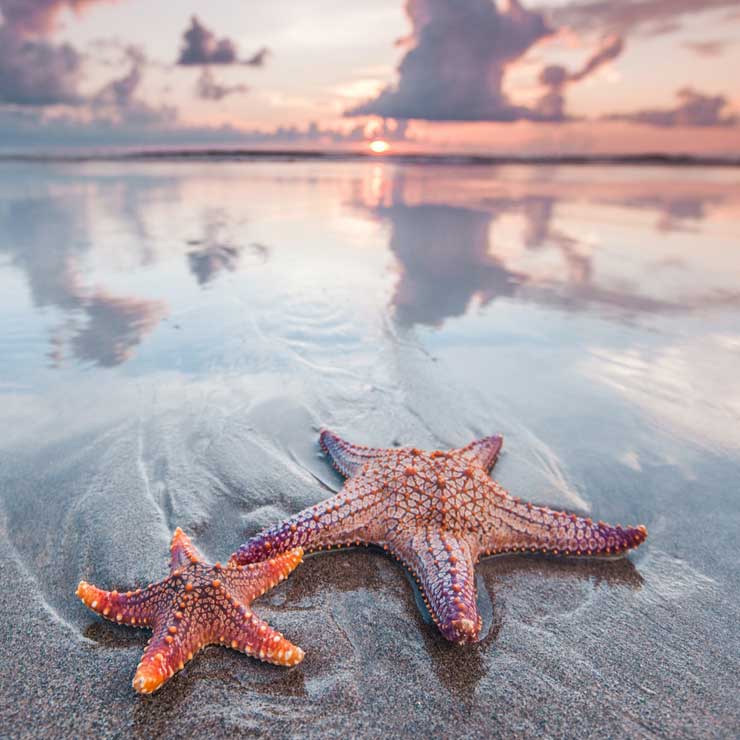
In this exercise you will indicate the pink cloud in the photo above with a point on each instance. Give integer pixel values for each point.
(37, 16)
(694, 108)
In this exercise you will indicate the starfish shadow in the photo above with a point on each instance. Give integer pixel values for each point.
(112, 636)
(460, 668)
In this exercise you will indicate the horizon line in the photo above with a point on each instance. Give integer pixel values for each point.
(245, 153)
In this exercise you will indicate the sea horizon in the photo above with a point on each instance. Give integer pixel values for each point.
(214, 153)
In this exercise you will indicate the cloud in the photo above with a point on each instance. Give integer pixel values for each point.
(201, 47)
(555, 77)
(455, 66)
(120, 91)
(117, 102)
(610, 49)
(707, 48)
(626, 16)
(36, 16)
(259, 58)
(36, 72)
(694, 109)
(40, 97)
(208, 89)
(23, 129)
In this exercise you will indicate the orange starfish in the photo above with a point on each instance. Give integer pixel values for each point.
(197, 605)
(437, 512)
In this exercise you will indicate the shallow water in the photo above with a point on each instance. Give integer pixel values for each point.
(173, 334)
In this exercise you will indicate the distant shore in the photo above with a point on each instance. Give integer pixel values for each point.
(211, 154)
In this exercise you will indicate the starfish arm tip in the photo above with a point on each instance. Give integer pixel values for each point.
(147, 681)
(182, 550)
(461, 631)
(155, 668)
(290, 655)
(93, 597)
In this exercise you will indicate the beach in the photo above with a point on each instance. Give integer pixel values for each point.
(174, 334)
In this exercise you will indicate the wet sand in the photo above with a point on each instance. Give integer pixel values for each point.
(165, 367)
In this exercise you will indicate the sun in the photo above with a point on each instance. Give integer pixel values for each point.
(378, 146)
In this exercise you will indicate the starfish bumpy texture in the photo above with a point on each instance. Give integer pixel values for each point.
(197, 605)
(437, 512)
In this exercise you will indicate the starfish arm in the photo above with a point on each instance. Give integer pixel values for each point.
(247, 633)
(483, 451)
(182, 551)
(442, 564)
(171, 646)
(247, 582)
(347, 518)
(517, 526)
(135, 608)
(346, 457)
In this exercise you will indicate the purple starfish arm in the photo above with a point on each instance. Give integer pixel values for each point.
(512, 525)
(346, 457)
(347, 518)
(443, 566)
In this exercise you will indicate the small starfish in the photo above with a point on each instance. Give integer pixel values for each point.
(437, 512)
(197, 605)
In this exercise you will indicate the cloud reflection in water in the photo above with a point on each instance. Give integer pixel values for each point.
(461, 238)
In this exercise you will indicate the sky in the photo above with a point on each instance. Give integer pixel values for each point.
(469, 76)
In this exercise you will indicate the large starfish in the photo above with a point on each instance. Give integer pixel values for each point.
(437, 512)
(197, 605)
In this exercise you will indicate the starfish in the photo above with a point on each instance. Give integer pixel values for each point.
(197, 605)
(438, 513)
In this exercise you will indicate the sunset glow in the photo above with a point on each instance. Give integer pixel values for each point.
(536, 78)
(379, 146)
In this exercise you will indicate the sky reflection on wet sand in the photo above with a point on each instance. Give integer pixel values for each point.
(172, 334)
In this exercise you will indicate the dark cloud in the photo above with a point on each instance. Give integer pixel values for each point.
(707, 48)
(455, 67)
(201, 46)
(117, 101)
(694, 109)
(626, 16)
(555, 78)
(259, 58)
(208, 89)
(36, 16)
(36, 72)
